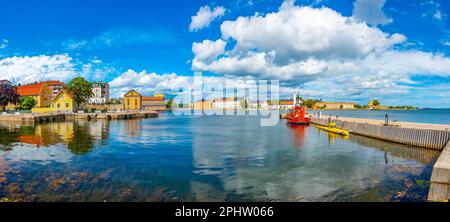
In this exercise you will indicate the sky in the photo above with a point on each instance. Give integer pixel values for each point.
(396, 51)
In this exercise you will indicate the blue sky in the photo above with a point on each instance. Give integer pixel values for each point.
(397, 51)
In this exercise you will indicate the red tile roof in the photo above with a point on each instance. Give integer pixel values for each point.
(54, 82)
(152, 98)
(30, 90)
(286, 102)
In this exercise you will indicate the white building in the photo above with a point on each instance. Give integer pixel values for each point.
(226, 103)
(100, 92)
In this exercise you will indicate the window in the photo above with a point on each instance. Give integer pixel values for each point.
(67, 105)
(58, 105)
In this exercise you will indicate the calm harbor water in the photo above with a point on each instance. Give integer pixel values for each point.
(435, 116)
(204, 158)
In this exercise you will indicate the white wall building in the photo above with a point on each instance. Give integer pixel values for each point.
(100, 92)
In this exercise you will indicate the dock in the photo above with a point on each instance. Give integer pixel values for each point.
(431, 136)
(440, 178)
(53, 117)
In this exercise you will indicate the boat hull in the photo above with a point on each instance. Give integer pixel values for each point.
(338, 131)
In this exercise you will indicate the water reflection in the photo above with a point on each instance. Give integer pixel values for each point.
(215, 158)
(298, 135)
(78, 136)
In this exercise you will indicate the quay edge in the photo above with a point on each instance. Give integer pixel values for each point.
(53, 117)
(427, 138)
(440, 178)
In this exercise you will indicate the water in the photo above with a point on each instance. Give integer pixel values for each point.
(200, 158)
(435, 116)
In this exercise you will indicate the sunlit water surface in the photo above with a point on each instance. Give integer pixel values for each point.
(204, 158)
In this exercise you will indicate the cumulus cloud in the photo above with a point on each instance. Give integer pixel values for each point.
(371, 11)
(307, 47)
(208, 50)
(293, 42)
(4, 43)
(146, 83)
(205, 16)
(36, 68)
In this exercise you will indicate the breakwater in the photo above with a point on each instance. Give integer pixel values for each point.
(440, 178)
(430, 136)
(53, 117)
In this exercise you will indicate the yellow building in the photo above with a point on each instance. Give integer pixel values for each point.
(63, 102)
(40, 92)
(132, 100)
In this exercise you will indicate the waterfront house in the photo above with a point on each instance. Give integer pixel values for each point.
(40, 92)
(63, 102)
(334, 105)
(55, 86)
(132, 100)
(156, 102)
(100, 93)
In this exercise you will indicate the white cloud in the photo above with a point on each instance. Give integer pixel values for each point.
(208, 50)
(371, 11)
(316, 49)
(36, 68)
(438, 15)
(146, 83)
(205, 16)
(293, 42)
(4, 43)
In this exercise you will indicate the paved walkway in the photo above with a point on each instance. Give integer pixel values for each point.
(398, 124)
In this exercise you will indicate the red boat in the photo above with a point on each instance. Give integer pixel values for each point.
(298, 115)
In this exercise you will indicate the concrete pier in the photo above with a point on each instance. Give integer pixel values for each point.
(440, 178)
(31, 118)
(432, 136)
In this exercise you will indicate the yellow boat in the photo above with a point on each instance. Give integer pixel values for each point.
(332, 128)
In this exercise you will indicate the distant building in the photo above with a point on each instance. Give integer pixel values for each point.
(334, 105)
(286, 104)
(226, 103)
(38, 91)
(55, 87)
(203, 104)
(156, 102)
(100, 92)
(132, 100)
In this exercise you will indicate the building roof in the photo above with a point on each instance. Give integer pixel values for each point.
(31, 89)
(54, 82)
(63, 91)
(128, 94)
(152, 98)
(286, 102)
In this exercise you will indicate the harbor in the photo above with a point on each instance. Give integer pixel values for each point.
(205, 158)
(431, 136)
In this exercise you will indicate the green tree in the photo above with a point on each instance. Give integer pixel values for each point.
(8, 94)
(169, 104)
(80, 89)
(27, 103)
(309, 103)
(375, 103)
